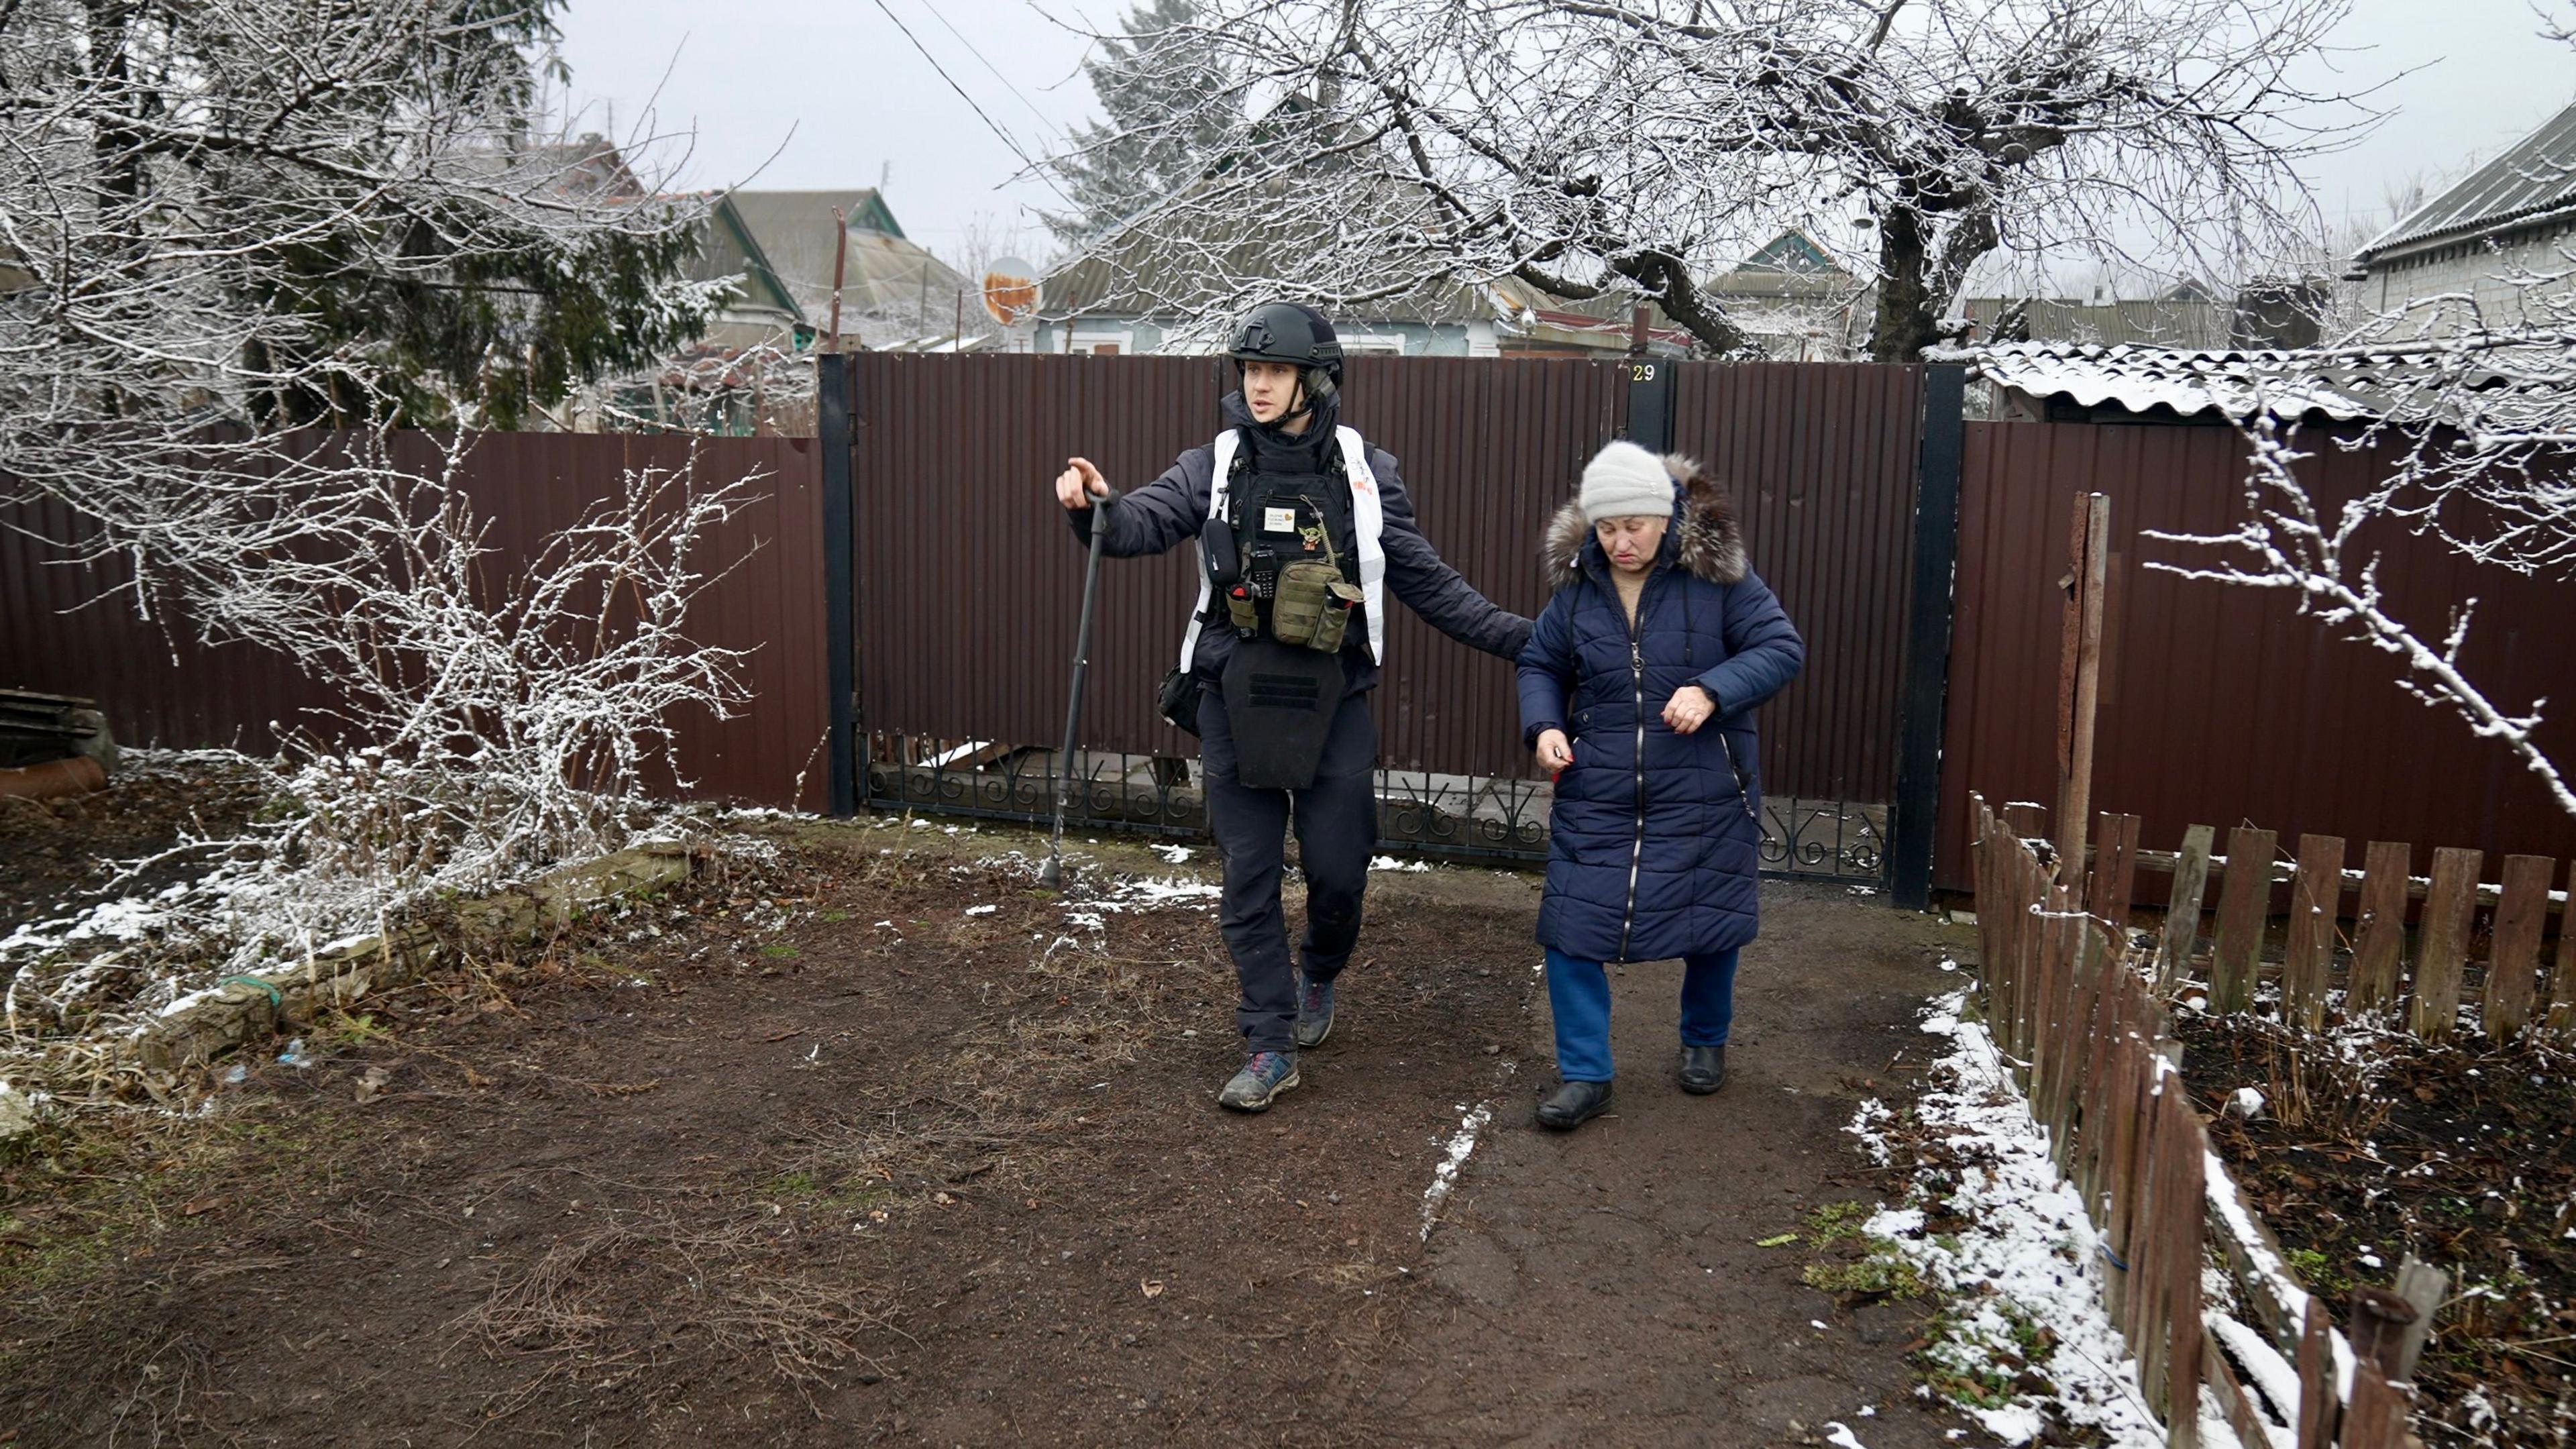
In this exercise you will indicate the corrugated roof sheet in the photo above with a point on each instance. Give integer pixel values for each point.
(2341, 386)
(2534, 178)
(2159, 322)
(883, 269)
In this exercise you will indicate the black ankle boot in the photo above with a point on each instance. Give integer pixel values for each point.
(1572, 1104)
(1703, 1069)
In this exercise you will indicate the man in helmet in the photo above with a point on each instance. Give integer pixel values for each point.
(1303, 530)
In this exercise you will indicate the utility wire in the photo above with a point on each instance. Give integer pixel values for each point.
(995, 126)
(1007, 84)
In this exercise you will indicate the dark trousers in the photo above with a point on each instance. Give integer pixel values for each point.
(1336, 823)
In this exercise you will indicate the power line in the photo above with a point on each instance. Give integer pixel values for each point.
(1007, 84)
(994, 126)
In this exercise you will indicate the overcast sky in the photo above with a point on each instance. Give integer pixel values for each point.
(803, 93)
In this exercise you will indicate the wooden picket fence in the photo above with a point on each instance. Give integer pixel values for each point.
(2073, 1005)
(2381, 976)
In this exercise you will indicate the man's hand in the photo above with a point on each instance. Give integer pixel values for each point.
(1080, 485)
(1690, 708)
(1554, 753)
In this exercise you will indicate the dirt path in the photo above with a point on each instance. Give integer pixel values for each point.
(898, 1148)
(1608, 1286)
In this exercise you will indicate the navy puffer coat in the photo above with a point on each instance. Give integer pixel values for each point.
(1654, 841)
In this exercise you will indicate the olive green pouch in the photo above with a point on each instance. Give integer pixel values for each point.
(1314, 603)
(1304, 599)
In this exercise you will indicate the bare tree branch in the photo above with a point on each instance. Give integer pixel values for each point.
(1405, 147)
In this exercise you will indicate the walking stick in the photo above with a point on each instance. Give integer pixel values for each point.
(1052, 873)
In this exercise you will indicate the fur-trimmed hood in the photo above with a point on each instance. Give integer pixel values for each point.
(1711, 540)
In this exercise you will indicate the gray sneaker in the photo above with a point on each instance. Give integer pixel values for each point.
(1264, 1076)
(1314, 1011)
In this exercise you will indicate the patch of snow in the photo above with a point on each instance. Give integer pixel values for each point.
(1841, 1437)
(1444, 1178)
(2027, 1258)
(1869, 1125)
(2265, 1371)
(959, 753)
(1172, 854)
(1148, 893)
(17, 1113)
(2263, 1263)
(1388, 862)
(981, 910)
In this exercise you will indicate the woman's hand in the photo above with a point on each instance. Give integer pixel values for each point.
(1079, 485)
(1690, 708)
(1554, 753)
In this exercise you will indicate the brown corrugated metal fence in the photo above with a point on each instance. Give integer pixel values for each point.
(159, 687)
(1822, 459)
(969, 581)
(2221, 704)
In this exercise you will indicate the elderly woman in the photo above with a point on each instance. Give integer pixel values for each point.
(1637, 692)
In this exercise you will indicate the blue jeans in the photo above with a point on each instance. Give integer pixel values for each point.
(1579, 994)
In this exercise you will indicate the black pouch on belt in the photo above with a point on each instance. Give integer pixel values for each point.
(1177, 700)
(1280, 700)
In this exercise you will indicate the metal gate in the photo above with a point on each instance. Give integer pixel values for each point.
(964, 581)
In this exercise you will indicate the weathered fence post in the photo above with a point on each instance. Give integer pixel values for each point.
(2320, 1407)
(2079, 688)
(2315, 900)
(2182, 909)
(2244, 903)
(2449, 907)
(2513, 965)
(2115, 872)
(2379, 934)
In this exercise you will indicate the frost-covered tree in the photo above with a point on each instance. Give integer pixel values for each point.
(222, 219)
(2477, 422)
(1129, 159)
(1364, 149)
(223, 222)
(299, 212)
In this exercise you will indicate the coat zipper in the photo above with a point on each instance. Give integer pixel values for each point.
(1637, 849)
(1741, 794)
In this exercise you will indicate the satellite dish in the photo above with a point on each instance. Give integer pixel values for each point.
(1010, 290)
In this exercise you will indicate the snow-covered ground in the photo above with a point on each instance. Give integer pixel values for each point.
(2020, 1276)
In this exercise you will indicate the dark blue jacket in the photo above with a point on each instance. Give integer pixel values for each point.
(1169, 511)
(1654, 842)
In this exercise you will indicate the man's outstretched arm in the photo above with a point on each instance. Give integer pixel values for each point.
(1417, 574)
(1150, 520)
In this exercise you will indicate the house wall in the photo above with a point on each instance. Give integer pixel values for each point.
(1134, 336)
(2477, 268)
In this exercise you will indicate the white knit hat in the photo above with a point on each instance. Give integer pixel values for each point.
(1625, 481)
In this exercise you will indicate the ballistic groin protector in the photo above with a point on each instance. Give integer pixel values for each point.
(1280, 699)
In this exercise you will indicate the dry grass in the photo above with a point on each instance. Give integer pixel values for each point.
(623, 1300)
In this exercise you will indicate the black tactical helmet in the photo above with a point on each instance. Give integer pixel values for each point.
(1288, 332)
